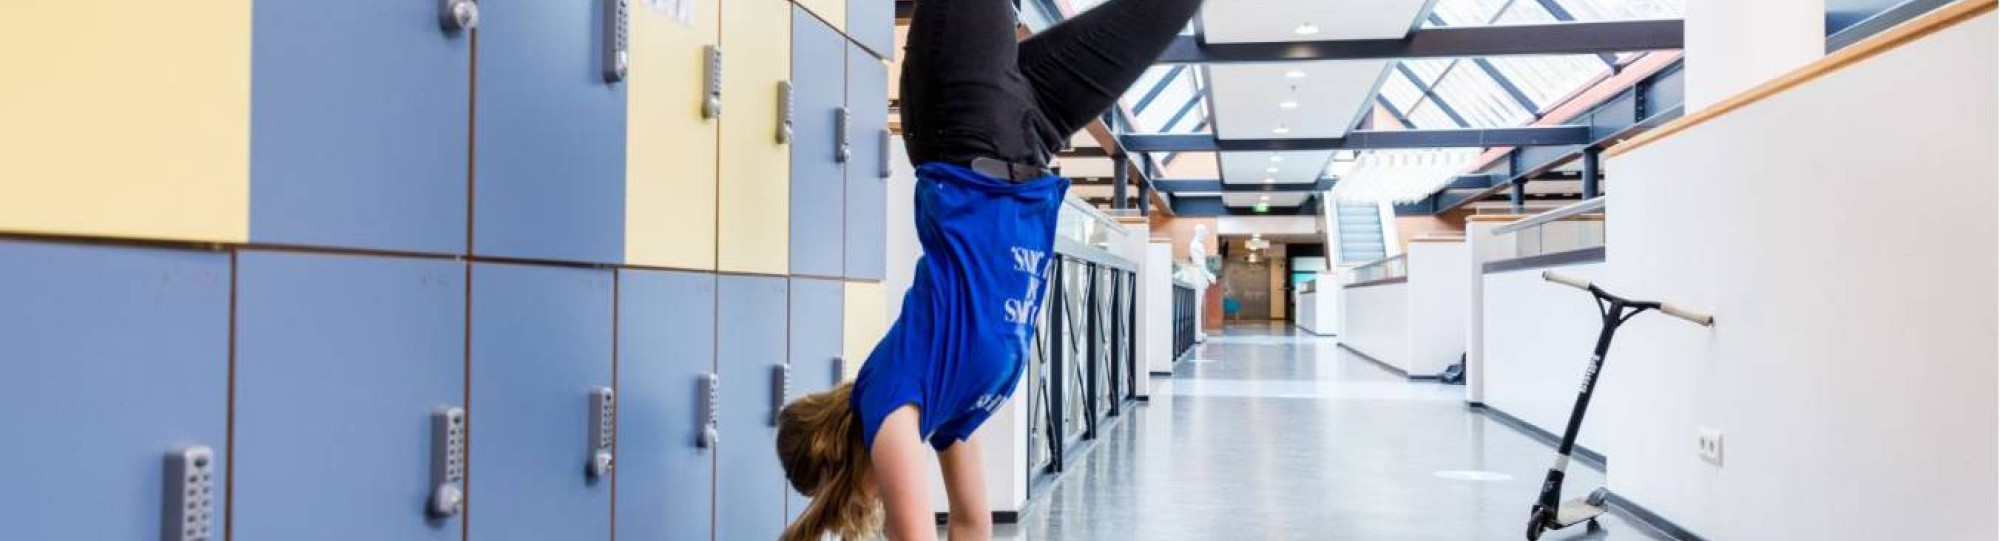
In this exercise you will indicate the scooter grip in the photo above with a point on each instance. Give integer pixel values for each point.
(1565, 280)
(1692, 317)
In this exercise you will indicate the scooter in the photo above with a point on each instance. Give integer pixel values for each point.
(1550, 512)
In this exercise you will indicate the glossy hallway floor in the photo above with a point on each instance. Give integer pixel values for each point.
(1268, 435)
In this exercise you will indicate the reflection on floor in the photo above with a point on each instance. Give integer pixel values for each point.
(1267, 435)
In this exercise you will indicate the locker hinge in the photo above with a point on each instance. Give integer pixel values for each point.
(845, 148)
(189, 510)
(447, 461)
(711, 105)
(709, 412)
(458, 15)
(604, 409)
(785, 108)
(617, 14)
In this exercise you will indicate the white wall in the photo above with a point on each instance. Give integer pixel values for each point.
(1438, 291)
(1733, 45)
(1484, 246)
(1845, 243)
(1376, 321)
(1156, 307)
(1539, 337)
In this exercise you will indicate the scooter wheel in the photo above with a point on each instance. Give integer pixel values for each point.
(1535, 527)
(1592, 526)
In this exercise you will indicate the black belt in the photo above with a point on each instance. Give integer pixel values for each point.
(1010, 171)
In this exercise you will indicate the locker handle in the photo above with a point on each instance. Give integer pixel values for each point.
(603, 430)
(617, 14)
(785, 108)
(458, 15)
(781, 388)
(709, 411)
(447, 461)
(884, 171)
(711, 106)
(845, 148)
(188, 512)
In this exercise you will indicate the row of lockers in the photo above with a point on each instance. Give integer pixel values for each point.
(286, 395)
(740, 136)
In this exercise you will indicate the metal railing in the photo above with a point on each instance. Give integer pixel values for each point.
(1574, 227)
(1083, 366)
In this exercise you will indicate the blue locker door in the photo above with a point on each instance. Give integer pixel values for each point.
(815, 338)
(750, 346)
(114, 357)
(818, 93)
(868, 173)
(541, 343)
(549, 137)
(340, 362)
(358, 119)
(666, 343)
(873, 24)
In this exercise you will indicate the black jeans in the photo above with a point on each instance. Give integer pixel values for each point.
(972, 89)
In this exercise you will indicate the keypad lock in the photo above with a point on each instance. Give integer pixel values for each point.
(189, 509)
(603, 411)
(617, 15)
(711, 103)
(845, 149)
(458, 15)
(710, 412)
(781, 388)
(785, 108)
(447, 462)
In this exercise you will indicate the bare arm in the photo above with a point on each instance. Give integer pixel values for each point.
(965, 484)
(898, 462)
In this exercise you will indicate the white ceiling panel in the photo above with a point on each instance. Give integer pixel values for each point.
(1293, 99)
(1291, 167)
(1243, 21)
(1087, 167)
(1283, 199)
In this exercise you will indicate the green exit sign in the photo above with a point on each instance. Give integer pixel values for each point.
(1261, 208)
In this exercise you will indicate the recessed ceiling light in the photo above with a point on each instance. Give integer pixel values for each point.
(1263, 198)
(1276, 159)
(1281, 130)
(1295, 74)
(1288, 104)
(1306, 29)
(1268, 180)
(1272, 169)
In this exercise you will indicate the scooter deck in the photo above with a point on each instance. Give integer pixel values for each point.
(1575, 511)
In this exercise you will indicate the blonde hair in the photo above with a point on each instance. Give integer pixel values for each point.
(819, 444)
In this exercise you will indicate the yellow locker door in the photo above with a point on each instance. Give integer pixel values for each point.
(865, 318)
(753, 197)
(670, 203)
(126, 118)
(834, 12)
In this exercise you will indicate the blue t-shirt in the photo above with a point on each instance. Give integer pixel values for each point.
(962, 340)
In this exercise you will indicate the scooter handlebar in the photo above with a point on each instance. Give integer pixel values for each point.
(1668, 309)
(1566, 280)
(1692, 317)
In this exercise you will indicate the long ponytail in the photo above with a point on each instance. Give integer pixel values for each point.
(819, 444)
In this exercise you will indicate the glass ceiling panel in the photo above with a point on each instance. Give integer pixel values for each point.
(1400, 91)
(1427, 116)
(1478, 99)
(1547, 80)
(1605, 10)
(1170, 101)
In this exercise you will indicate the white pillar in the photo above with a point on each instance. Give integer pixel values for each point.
(1733, 45)
(1485, 246)
(1156, 307)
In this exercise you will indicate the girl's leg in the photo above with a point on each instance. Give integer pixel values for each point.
(897, 459)
(1080, 67)
(962, 97)
(965, 484)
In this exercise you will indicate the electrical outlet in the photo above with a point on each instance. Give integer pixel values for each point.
(1709, 441)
